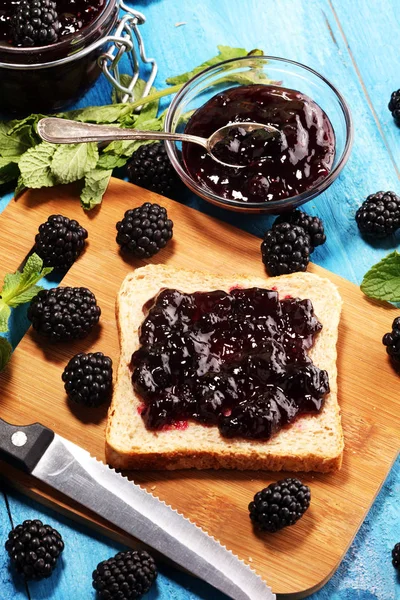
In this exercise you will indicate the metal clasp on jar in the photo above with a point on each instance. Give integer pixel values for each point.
(127, 39)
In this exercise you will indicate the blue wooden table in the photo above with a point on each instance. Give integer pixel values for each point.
(355, 45)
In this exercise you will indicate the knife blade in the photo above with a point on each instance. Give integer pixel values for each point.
(71, 470)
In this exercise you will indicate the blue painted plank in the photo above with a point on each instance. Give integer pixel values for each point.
(373, 43)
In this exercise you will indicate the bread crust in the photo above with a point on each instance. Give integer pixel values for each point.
(311, 443)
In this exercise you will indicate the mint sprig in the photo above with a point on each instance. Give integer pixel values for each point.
(36, 164)
(382, 281)
(18, 288)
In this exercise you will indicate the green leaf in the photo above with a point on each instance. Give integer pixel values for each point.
(225, 53)
(11, 283)
(20, 287)
(148, 111)
(35, 166)
(125, 148)
(98, 114)
(5, 312)
(22, 124)
(20, 188)
(111, 161)
(5, 352)
(8, 170)
(125, 79)
(33, 265)
(26, 295)
(382, 281)
(14, 146)
(96, 183)
(71, 162)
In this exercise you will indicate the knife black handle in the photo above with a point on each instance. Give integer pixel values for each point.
(23, 446)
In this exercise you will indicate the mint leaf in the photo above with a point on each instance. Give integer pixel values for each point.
(225, 53)
(20, 287)
(20, 188)
(34, 270)
(35, 166)
(72, 161)
(148, 112)
(25, 295)
(5, 312)
(13, 146)
(149, 109)
(125, 79)
(96, 183)
(8, 170)
(11, 283)
(98, 114)
(382, 281)
(111, 161)
(5, 352)
(125, 148)
(30, 121)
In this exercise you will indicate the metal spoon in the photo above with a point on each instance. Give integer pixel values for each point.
(63, 131)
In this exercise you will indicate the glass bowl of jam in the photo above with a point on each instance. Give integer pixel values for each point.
(308, 146)
(46, 78)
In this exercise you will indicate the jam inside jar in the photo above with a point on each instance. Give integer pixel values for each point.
(276, 167)
(49, 78)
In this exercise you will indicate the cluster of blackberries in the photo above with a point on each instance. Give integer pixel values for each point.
(394, 106)
(126, 576)
(64, 313)
(151, 169)
(144, 230)
(392, 341)
(35, 23)
(287, 246)
(280, 504)
(379, 215)
(88, 378)
(34, 549)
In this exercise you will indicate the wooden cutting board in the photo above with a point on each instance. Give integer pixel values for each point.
(295, 561)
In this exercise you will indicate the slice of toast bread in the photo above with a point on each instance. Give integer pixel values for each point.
(313, 442)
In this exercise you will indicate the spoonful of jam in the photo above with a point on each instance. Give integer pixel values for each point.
(233, 145)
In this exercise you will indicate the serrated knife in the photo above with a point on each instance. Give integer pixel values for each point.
(71, 470)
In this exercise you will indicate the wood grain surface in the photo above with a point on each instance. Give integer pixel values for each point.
(32, 389)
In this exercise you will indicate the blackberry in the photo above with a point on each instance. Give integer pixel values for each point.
(394, 106)
(280, 504)
(34, 549)
(60, 241)
(88, 378)
(379, 215)
(126, 576)
(144, 230)
(286, 249)
(151, 168)
(35, 23)
(311, 225)
(396, 556)
(392, 341)
(64, 313)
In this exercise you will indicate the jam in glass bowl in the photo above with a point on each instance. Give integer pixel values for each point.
(48, 78)
(312, 122)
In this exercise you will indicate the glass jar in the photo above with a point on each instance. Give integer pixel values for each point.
(48, 78)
